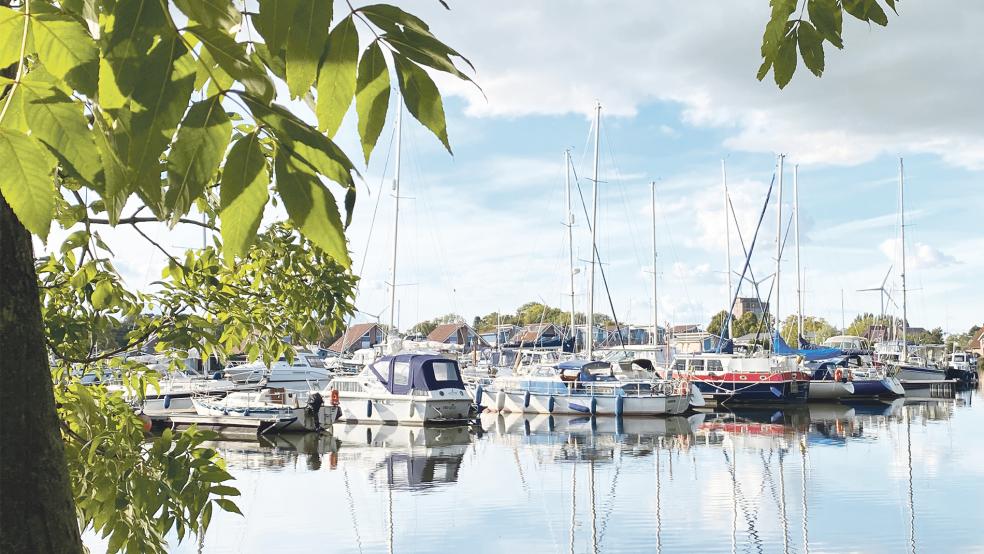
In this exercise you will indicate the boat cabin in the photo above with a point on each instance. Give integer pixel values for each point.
(585, 371)
(404, 373)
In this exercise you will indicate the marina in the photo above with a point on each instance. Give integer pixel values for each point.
(879, 477)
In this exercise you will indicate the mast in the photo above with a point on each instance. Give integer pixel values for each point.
(396, 215)
(570, 235)
(905, 317)
(655, 338)
(594, 232)
(727, 238)
(778, 243)
(799, 270)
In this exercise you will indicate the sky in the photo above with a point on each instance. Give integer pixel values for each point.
(482, 230)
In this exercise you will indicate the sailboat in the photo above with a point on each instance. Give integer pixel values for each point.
(723, 376)
(584, 386)
(910, 370)
(403, 387)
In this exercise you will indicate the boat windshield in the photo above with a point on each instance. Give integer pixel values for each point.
(444, 370)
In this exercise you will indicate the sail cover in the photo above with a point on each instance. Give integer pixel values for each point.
(811, 353)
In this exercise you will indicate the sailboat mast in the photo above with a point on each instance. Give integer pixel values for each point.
(655, 337)
(396, 213)
(594, 233)
(799, 270)
(570, 234)
(782, 157)
(727, 249)
(905, 316)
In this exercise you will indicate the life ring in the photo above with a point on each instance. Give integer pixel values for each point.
(838, 374)
(334, 397)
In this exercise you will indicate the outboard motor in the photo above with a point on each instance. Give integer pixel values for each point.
(314, 404)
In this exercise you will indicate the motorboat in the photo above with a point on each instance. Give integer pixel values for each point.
(306, 372)
(739, 379)
(961, 366)
(406, 388)
(829, 381)
(294, 410)
(583, 387)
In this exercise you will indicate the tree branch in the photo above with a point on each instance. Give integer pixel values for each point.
(133, 220)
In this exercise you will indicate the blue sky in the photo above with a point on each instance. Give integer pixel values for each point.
(482, 230)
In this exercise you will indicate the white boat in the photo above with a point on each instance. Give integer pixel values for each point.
(409, 388)
(307, 372)
(300, 411)
(581, 387)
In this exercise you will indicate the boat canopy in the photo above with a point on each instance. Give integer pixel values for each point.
(811, 353)
(582, 365)
(405, 372)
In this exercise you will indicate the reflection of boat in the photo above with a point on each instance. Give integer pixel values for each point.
(276, 451)
(405, 458)
(416, 389)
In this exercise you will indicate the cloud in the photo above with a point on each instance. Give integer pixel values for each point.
(895, 90)
(918, 255)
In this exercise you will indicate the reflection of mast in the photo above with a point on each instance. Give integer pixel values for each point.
(389, 505)
(912, 509)
(573, 502)
(594, 516)
(782, 501)
(806, 533)
(659, 519)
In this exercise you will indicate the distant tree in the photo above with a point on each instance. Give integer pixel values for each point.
(717, 323)
(815, 328)
(476, 322)
(934, 336)
(862, 322)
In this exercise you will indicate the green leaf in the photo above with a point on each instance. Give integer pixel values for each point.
(163, 93)
(217, 14)
(372, 90)
(26, 180)
(59, 122)
(227, 505)
(273, 22)
(866, 10)
(243, 195)
(311, 207)
(811, 48)
(66, 50)
(11, 34)
(224, 490)
(197, 151)
(306, 44)
(304, 143)
(102, 296)
(422, 98)
(231, 56)
(336, 78)
(827, 18)
(785, 62)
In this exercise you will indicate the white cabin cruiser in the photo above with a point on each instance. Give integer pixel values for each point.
(416, 389)
(296, 411)
(307, 372)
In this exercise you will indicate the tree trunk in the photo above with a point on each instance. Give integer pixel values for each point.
(37, 511)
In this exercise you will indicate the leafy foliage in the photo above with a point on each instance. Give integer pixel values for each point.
(168, 108)
(815, 329)
(789, 32)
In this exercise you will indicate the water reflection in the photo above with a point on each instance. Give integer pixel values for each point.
(875, 477)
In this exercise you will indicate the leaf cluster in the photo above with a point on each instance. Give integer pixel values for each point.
(792, 34)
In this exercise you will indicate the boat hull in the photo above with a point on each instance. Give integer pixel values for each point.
(830, 390)
(583, 404)
(404, 410)
(293, 419)
(754, 388)
(870, 388)
(918, 373)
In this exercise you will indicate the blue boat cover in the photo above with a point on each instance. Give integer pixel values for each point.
(779, 346)
(405, 372)
(582, 364)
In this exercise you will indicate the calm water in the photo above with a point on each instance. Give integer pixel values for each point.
(900, 477)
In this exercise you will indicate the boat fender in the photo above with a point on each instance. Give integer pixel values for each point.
(410, 414)
(478, 395)
(246, 412)
(619, 406)
(500, 400)
(217, 376)
(594, 405)
(619, 426)
(368, 408)
(167, 401)
(775, 392)
(578, 408)
(551, 424)
(838, 375)
(526, 399)
(550, 404)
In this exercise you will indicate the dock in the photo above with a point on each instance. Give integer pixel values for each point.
(945, 388)
(237, 426)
